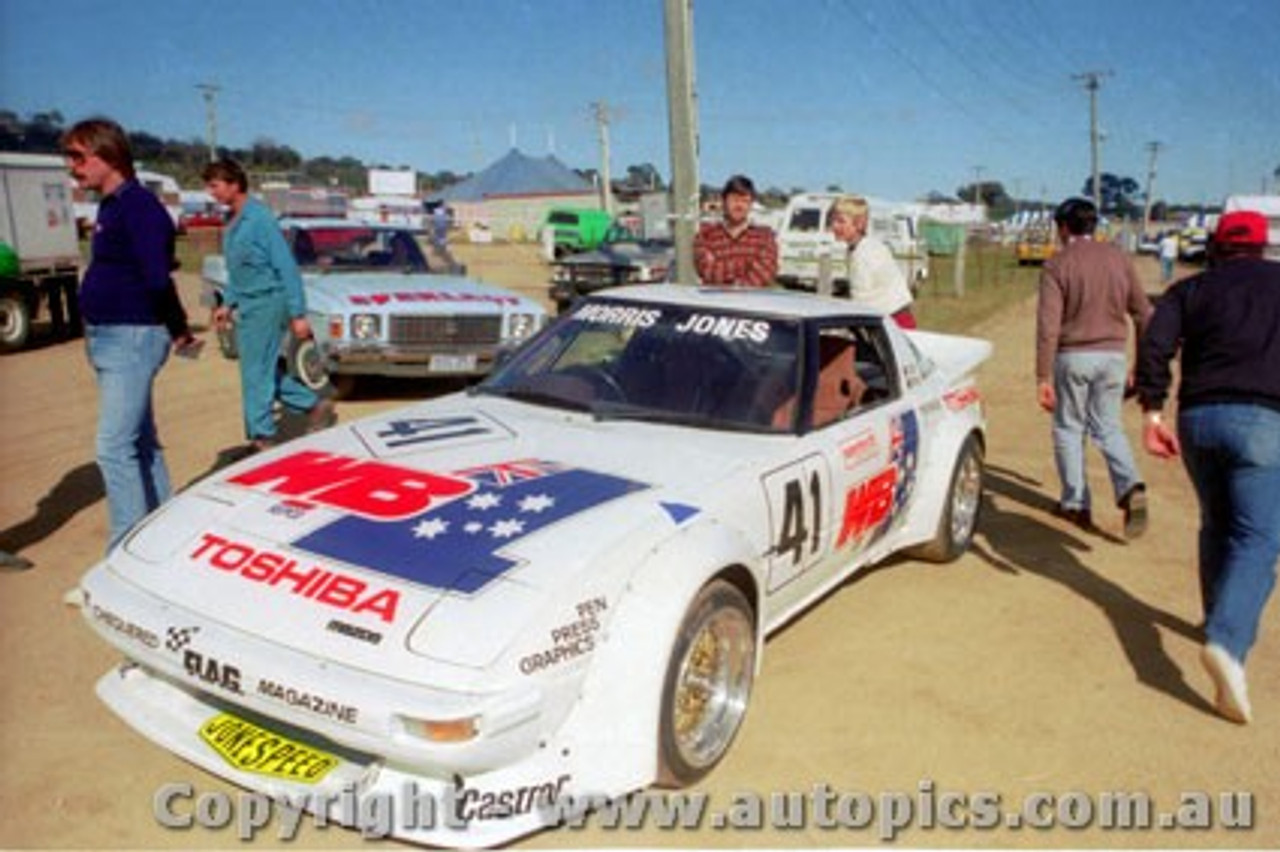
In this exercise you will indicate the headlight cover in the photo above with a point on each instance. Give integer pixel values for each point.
(366, 327)
(523, 325)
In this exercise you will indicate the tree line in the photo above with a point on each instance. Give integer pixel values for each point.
(1122, 197)
(183, 159)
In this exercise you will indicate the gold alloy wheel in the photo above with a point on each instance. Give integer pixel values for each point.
(713, 677)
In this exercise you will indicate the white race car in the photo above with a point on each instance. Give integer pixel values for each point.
(555, 585)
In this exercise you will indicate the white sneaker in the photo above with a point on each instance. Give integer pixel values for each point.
(1232, 697)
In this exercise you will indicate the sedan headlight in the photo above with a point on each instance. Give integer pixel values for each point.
(366, 327)
(523, 325)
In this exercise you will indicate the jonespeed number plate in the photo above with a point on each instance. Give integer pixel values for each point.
(250, 748)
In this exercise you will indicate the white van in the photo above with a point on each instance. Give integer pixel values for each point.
(1267, 205)
(805, 239)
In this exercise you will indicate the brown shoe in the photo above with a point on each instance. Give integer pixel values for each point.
(1134, 504)
(321, 416)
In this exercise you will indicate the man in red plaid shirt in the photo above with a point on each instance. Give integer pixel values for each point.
(735, 252)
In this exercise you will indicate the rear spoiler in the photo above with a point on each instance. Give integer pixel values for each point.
(955, 355)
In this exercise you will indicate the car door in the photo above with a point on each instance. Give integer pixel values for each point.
(856, 467)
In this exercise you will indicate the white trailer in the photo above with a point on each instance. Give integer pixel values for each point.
(41, 267)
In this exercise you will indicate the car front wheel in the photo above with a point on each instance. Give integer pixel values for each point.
(959, 518)
(15, 323)
(708, 684)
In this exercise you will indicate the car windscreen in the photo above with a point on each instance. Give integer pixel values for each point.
(357, 249)
(691, 366)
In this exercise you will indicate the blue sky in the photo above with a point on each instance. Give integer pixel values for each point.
(893, 98)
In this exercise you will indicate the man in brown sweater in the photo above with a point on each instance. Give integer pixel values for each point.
(1089, 291)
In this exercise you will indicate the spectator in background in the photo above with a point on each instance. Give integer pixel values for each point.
(264, 295)
(1226, 324)
(735, 252)
(132, 317)
(440, 226)
(1168, 247)
(874, 277)
(1089, 291)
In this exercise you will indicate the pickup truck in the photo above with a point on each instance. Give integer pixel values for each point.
(567, 230)
(805, 239)
(623, 258)
(40, 260)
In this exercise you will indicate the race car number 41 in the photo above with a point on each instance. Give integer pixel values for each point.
(250, 748)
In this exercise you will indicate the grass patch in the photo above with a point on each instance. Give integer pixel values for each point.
(992, 280)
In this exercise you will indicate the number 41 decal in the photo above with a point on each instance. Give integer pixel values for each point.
(798, 510)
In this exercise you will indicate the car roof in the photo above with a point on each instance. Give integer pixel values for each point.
(306, 223)
(791, 304)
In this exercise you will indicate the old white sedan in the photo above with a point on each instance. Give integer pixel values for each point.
(554, 585)
(378, 307)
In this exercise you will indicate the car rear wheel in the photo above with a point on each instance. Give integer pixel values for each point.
(959, 518)
(708, 684)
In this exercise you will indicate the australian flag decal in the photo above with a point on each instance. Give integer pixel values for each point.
(457, 546)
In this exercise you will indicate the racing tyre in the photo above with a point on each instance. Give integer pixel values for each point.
(959, 518)
(708, 684)
(15, 322)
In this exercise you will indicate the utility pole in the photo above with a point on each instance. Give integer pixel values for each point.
(1153, 148)
(682, 132)
(977, 185)
(601, 111)
(1092, 82)
(210, 93)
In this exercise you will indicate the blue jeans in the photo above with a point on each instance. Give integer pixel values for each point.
(126, 359)
(1090, 390)
(1232, 454)
(261, 324)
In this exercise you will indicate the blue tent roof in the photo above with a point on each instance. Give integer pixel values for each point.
(517, 174)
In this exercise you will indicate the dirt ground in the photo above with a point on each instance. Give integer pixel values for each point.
(1045, 661)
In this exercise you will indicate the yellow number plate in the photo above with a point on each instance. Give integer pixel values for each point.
(250, 748)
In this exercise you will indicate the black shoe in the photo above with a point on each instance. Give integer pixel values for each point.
(1082, 518)
(1134, 504)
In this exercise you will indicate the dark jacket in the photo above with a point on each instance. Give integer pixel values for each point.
(1226, 321)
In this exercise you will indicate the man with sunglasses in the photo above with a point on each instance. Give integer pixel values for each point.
(132, 316)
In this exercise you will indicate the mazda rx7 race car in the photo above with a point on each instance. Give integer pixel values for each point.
(555, 584)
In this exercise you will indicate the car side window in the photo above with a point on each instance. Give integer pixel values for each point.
(853, 372)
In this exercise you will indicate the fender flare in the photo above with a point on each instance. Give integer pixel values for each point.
(616, 721)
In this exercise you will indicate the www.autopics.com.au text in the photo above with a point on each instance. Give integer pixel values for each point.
(824, 808)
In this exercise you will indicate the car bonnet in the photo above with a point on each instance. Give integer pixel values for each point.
(398, 527)
(391, 293)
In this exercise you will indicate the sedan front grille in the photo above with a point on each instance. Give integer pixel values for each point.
(471, 330)
(602, 274)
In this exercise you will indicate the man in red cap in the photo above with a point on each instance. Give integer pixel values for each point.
(1226, 322)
